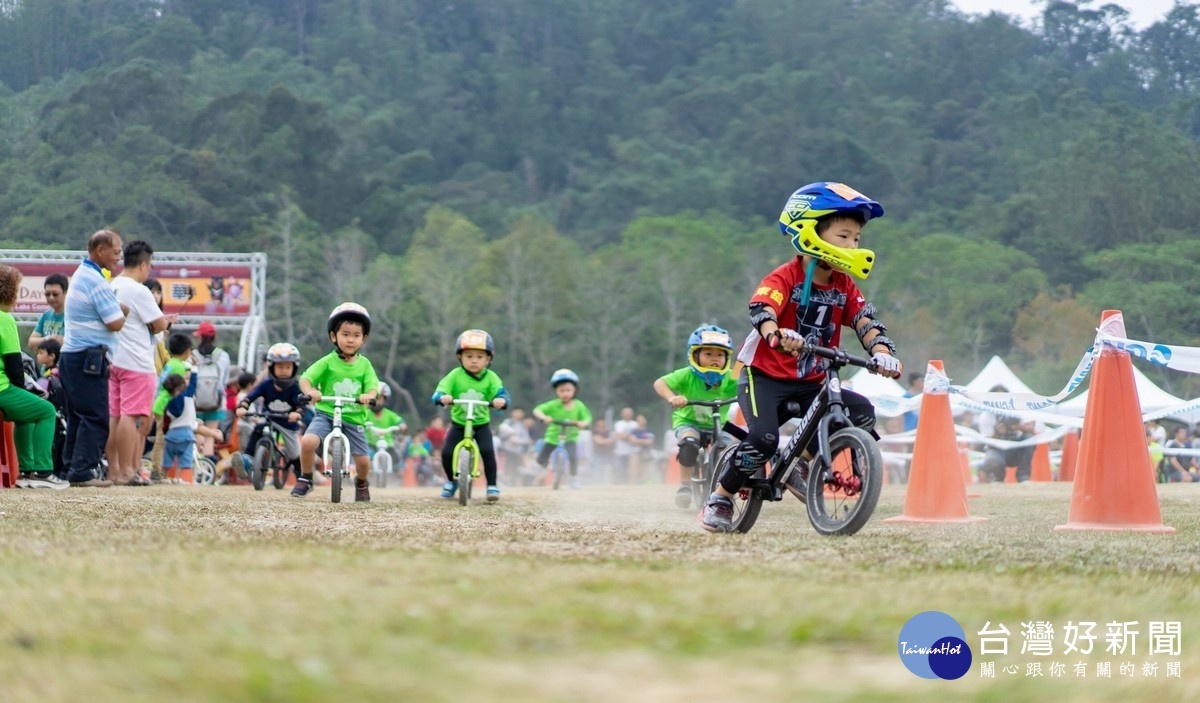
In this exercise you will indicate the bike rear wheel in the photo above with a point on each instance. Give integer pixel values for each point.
(337, 464)
(842, 497)
(463, 461)
(279, 472)
(204, 472)
(701, 485)
(747, 504)
(260, 465)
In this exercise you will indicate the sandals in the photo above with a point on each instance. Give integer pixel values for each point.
(137, 480)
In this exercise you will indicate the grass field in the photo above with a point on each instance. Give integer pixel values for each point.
(608, 593)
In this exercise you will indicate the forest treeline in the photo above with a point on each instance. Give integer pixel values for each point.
(590, 180)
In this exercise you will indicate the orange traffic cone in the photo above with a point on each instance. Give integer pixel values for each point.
(1040, 470)
(1070, 453)
(936, 491)
(1114, 482)
(673, 471)
(410, 473)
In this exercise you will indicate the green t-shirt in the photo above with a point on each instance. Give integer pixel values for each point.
(10, 343)
(687, 384)
(173, 365)
(554, 410)
(384, 420)
(332, 375)
(462, 385)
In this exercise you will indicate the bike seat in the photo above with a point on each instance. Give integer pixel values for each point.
(792, 409)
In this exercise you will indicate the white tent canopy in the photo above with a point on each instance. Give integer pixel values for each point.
(997, 373)
(1150, 397)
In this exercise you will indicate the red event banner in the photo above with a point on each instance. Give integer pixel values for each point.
(218, 290)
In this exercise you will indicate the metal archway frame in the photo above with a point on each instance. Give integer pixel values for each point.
(250, 325)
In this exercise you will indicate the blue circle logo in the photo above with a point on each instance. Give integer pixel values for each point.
(933, 645)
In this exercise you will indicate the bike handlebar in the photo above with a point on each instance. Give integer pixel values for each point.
(714, 404)
(840, 357)
(340, 399)
(383, 430)
(470, 401)
(269, 415)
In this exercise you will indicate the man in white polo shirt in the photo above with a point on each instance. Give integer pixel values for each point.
(132, 382)
(93, 317)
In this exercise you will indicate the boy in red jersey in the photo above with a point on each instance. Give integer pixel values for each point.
(805, 301)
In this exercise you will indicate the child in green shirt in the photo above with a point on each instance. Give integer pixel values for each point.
(564, 407)
(706, 377)
(342, 372)
(473, 380)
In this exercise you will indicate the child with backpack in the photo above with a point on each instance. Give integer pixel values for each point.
(51, 387)
(212, 369)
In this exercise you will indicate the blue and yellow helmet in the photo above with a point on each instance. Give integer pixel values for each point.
(798, 222)
(709, 337)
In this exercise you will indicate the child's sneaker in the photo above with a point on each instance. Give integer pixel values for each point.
(493, 494)
(362, 491)
(718, 514)
(449, 488)
(683, 497)
(302, 488)
(575, 483)
(45, 479)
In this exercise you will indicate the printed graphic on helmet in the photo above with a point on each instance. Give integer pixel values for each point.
(846, 191)
(474, 339)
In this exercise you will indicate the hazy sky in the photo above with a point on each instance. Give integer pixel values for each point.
(1141, 12)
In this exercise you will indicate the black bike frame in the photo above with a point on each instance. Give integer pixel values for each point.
(827, 406)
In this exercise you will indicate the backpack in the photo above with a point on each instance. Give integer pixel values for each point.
(210, 387)
(29, 367)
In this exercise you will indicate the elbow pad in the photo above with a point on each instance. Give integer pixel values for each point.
(866, 330)
(760, 313)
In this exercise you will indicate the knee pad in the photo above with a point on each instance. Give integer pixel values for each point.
(689, 450)
(748, 459)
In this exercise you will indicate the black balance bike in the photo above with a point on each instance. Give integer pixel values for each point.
(841, 484)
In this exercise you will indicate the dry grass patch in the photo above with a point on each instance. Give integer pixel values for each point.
(605, 593)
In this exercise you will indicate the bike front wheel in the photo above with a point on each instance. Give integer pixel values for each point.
(463, 462)
(842, 496)
(747, 504)
(560, 463)
(382, 467)
(337, 464)
(262, 462)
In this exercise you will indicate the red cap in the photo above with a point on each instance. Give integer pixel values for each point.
(205, 329)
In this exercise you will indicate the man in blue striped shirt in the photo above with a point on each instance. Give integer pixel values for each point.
(92, 319)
